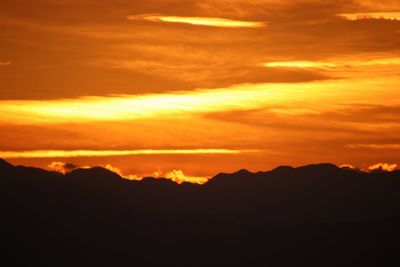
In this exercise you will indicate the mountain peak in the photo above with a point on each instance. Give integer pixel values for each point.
(4, 164)
(242, 172)
(320, 167)
(95, 172)
(281, 169)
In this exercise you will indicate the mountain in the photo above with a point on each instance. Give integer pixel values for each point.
(5, 165)
(315, 215)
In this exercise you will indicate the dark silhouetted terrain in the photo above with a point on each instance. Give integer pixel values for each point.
(316, 215)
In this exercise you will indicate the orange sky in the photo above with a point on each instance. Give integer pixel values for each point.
(160, 86)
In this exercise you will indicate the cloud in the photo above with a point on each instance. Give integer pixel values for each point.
(105, 153)
(300, 64)
(132, 177)
(382, 5)
(279, 98)
(371, 15)
(179, 177)
(375, 146)
(143, 77)
(379, 167)
(108, 55)
(199, 21)
(347, 166)
(176, 176)
(62, 167)
(5, 63)
(334, 64)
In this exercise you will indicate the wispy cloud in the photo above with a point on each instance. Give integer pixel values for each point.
(104, 153)
(334, 64)
(200, 21)
(300, 64)
(278, 98)
(375, 146)
(5, 63)
(371, 15)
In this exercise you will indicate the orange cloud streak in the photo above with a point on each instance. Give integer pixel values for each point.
(199, 21)
(375, 146)
(104, 153)
(333, 64)
(295, 98)
(371, 15)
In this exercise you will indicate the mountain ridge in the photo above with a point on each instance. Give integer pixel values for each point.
(316, 215)
(282, 169)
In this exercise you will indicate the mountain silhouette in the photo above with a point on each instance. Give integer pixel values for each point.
(315, 215)
(4, 165)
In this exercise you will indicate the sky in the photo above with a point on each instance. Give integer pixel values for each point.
(188, 89)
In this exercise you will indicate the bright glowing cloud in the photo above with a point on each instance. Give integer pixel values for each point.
(347, 166)
(62, 167)
(281, 99)
(176, 176)
(371, 15)
(104, 153)
(179, 177)
(383, 167)
(333, 64)
(299, 64)
(388, 167)
(200, 21)
(132, 177)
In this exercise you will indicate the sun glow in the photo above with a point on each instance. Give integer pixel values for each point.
(200, 21)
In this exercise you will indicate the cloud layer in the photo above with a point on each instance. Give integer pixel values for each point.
(290, 82)
(199, 21)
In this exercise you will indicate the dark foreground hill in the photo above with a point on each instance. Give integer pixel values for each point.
(316, 215)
